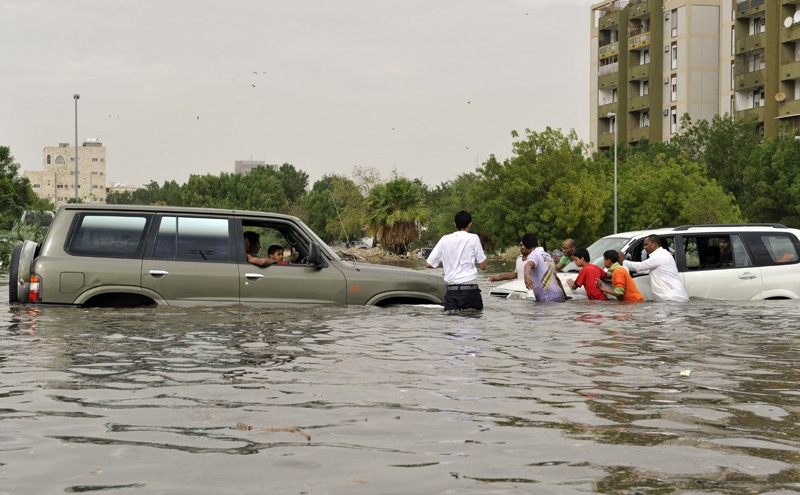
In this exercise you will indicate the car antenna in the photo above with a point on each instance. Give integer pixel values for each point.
(346, 237)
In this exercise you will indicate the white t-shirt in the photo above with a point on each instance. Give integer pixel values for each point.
(664, 279)
(458, 252)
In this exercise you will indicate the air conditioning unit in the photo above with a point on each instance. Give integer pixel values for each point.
(666, 80)
(666, 16)
(665, 112)
(666, 48)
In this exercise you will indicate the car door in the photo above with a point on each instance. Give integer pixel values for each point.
(776, 255)
(192, 262)
(295, 283)
(706, 277)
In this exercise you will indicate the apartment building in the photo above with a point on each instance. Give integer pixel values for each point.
(766, 72)
(654, 60)
(56, 182)
(247, 166)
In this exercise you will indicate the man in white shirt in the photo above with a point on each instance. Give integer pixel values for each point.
(519, 269)
(458, 253)
(664, 279)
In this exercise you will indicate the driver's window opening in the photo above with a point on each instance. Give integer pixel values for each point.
(283, 237)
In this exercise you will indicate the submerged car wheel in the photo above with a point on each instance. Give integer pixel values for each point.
(13, 274)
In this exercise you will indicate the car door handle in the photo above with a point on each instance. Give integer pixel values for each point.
(158, 273)
(746, 276)
(253, 276)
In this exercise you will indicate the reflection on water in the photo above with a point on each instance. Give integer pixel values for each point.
(524, 398)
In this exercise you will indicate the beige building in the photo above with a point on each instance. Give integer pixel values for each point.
(56, 182)
(653, 61)
(246, 166)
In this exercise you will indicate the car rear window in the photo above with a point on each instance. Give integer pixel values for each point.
(116, 236)
(773, 249)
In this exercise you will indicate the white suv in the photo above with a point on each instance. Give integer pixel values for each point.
(729, 262)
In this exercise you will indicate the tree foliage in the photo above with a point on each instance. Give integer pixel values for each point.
(16, 194)
(395, 212)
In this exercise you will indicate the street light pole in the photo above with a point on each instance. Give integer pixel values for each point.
(612, 114)
(76, 96)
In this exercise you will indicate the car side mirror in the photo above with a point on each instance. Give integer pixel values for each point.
(315, 256)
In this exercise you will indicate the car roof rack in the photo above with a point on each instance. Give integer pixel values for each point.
(715, 225)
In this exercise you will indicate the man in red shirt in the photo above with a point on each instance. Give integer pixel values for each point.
(588, 275)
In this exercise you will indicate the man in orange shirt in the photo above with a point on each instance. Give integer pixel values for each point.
(624, 287)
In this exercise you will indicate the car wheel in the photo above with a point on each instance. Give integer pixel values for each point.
(13, 274)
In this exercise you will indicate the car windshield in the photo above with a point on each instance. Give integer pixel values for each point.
(597, 248)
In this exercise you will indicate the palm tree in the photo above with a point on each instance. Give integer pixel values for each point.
(395, 211)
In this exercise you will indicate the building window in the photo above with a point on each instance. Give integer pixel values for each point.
(644, 119)
(94, 159)
(48, 159)
(673, 94)
(733, 40)
(36, 186)
(758, 25)
(644, 57)
(673, 120)
(733, 74)
(674, 54)
(60, 160)
(674, 24)
(733, 107)
(644, 88)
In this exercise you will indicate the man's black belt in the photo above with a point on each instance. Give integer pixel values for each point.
(463, 287)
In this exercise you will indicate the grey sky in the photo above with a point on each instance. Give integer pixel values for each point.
(427, 87)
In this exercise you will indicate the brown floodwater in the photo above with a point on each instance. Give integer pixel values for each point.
(581, 397)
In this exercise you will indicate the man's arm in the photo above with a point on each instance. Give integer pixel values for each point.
(255, 260)
(505, 276)
(650, 263)
(527, 267)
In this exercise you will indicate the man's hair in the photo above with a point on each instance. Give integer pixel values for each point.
(611, 255)
(463, 219)
(584, 254)
(530, 241)
(654, 238)
(570, 242)
(272, 249)
(252, 237)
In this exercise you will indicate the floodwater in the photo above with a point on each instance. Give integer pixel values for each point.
(581, 397)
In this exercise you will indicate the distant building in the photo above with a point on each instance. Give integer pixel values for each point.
(56, 183)
(245, 166)
(654, 60)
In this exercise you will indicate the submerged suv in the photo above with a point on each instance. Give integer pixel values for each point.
(728, 262)
(104, 255)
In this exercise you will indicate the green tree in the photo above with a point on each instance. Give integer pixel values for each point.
(549, 187)
(335, 209)
(396, 210)
(16, 194)
(771, 182)
(659, 190)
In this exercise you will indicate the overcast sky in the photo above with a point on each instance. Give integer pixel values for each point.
(429, 88)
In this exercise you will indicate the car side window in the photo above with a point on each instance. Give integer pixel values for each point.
(193, 239)
(116, 236)
(773, 249)
(715, 251)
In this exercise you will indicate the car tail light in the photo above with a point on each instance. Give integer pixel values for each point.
(34, 295)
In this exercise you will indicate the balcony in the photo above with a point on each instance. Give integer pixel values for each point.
(605, 70)
(751, 80)
(608, 81)
(608, 50)
(636, 42)
(757, 113)
(751, 43)
(605, 140)
(607, 108)
(638, 72)
(788, 109)
(789, 71)
(639, 103)
(637, 135)
(638, 8)
(747, 7)
(792, 33)
(610, 20)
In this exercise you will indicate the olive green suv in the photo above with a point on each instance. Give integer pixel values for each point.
(109, 255)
